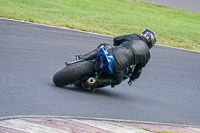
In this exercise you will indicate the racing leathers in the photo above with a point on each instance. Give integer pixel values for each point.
(127, 50)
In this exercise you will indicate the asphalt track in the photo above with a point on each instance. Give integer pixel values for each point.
(190, 5)
(168, 90)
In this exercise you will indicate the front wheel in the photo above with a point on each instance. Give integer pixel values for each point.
(73, 72)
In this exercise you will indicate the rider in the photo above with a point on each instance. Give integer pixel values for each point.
(131, 51)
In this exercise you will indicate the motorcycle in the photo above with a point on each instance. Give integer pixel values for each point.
(85, 74)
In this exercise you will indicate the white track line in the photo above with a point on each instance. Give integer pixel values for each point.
(22, 21)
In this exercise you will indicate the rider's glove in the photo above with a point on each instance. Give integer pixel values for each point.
(130, 82)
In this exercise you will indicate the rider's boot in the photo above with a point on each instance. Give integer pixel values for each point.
(89, 56)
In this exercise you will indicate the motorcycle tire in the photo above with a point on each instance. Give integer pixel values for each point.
(73, 72)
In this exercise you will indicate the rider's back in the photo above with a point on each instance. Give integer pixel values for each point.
(129, 50)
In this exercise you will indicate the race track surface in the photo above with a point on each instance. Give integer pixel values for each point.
(168, 90)
(190, 5)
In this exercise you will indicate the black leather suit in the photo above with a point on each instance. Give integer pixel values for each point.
(128, 50)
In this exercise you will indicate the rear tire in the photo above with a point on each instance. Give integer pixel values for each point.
(73, 72)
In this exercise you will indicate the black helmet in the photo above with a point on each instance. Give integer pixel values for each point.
(150, 36)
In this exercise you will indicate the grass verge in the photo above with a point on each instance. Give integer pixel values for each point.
(165, 131)
(174, 27)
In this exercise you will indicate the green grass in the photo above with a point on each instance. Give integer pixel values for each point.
(165, 131)
(161, 131)
(174, 27)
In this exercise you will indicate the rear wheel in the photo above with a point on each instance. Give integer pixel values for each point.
(73, 72)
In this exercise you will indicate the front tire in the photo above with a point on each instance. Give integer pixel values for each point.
(73, 72)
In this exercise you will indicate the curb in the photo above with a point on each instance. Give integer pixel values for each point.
(73, 124)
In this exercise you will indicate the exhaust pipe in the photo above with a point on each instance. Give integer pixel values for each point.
(91, 81)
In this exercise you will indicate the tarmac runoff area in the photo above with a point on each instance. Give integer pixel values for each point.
(36, 124)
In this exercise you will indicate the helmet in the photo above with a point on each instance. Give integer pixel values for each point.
(150, 36)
